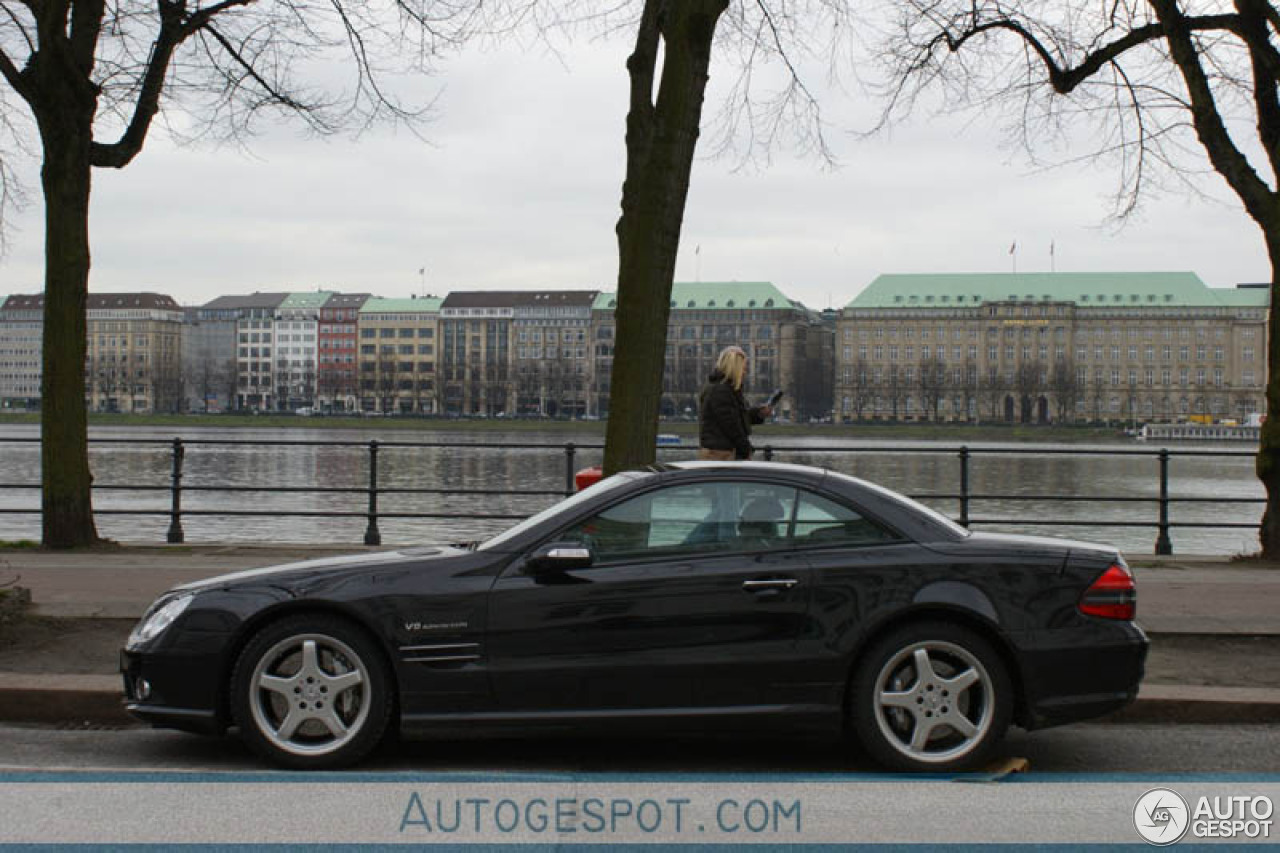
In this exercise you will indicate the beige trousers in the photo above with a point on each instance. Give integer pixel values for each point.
(715, 455)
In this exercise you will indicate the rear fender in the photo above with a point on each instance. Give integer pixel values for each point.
(948, 601)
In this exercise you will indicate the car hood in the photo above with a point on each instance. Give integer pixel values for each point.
(324, 566)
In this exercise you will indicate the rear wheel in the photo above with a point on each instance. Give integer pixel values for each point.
(312, 692)
(931, 696)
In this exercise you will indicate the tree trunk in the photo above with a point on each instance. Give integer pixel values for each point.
(661, 138)
(66, 503)
(1268, 462)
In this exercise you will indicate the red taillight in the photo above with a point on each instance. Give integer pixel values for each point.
(1112, 595)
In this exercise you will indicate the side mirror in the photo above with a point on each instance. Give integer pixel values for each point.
(559, 557)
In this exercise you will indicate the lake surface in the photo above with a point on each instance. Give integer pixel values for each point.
(496, 461)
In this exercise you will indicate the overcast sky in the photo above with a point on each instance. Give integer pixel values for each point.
(520, 187)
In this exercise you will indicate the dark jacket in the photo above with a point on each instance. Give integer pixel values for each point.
(724, 419)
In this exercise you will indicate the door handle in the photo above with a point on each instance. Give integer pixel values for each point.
(766, 585)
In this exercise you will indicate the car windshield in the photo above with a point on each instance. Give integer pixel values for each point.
(614, 482)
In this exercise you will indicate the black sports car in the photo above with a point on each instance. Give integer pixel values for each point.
(696, 594)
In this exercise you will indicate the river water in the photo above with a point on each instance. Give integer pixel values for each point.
(501, 460)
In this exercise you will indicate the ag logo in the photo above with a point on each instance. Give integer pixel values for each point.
(1161, 816)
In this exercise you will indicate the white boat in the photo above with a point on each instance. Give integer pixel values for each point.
(1198, 432)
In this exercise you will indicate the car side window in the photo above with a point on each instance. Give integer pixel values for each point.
(820, 521)
(691, 519)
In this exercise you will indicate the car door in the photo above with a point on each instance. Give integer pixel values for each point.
(694, 599)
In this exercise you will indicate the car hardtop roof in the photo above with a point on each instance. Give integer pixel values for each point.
(811, 474)
(818, 477)
(814, 473)
(775, 467)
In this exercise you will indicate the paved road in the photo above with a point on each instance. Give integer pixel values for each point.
(1096, 748)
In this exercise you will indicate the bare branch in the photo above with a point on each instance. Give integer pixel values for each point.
(13, 76)
(1228, 159)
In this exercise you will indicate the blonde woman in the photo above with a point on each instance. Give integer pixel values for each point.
(724, 430)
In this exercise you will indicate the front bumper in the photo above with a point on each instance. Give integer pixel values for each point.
(173, 691)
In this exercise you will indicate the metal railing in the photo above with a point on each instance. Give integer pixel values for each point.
(371, 491)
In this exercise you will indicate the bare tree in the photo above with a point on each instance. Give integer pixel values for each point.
(1065, 384)
(1154, 78)
(229, 381)
(991, 392)
(895, 389)
(862, 390)
(1028, 386)
(663, 126)
(387, 382)
(95, 75)
(1099, 396)
(933, 381)
(970, 388)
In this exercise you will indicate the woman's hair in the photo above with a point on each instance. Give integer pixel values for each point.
(732, 363)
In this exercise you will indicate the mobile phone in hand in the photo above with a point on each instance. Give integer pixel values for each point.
(774, 398)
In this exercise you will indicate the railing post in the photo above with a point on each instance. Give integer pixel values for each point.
(570, 453)
(964, 486)
(768, 453)
(1163, 545)
(175, 511)
(371, 534)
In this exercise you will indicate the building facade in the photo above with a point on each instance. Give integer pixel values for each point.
(1051, 347)
(338, 341)
(297, 327)
(21, 351)
(255, 350)
(397, 356)
(133, 355)
(787, 347)
(476, 373)
(552, 349)
(209, 357)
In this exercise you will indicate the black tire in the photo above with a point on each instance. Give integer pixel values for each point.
(312, 692)
(951, 719)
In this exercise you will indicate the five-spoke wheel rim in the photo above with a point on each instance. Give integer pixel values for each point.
(309, 694)
(933, 701)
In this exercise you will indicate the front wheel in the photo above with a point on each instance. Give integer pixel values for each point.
(931, 697)
(311, 692)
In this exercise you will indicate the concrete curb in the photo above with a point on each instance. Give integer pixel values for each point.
(74, 700)
(63, 700)
(1195, 704)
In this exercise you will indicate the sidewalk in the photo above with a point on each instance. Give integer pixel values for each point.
(1214, 623)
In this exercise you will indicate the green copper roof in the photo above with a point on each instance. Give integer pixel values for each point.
(426, 305)
(702, 295)
(306, 300)
(1086, 290)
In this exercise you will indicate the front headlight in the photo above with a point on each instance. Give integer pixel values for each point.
(162, 617)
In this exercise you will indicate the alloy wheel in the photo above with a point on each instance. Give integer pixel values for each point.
(933, 702)
(309, 694)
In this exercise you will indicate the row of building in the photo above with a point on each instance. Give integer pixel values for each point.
(1007, 347)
